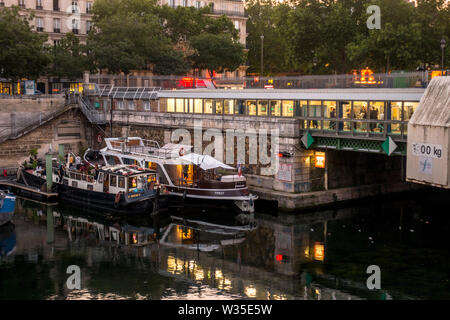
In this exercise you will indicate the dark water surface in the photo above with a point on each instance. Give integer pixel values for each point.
(313, 255)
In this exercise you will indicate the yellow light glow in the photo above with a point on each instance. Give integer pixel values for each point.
(184, 233)
(319, 159)
(307, 252)
(198, 275)
(250, 292)
(319, 251)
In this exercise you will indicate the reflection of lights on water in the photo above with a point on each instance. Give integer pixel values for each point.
(250, 292)
(319, 251)
(218, 274)
(174, 265)
(273, 296)
(225, 284)
(198, 275)
(191, 265)
(307, 252)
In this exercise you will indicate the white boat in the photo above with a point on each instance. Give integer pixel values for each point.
(191, 178)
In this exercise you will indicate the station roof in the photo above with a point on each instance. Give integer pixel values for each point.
(434, 107)
(365, 94)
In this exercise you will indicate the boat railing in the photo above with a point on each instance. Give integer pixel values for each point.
(146, 148)
(77, 175)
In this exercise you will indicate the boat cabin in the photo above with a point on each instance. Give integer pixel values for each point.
(128, 179)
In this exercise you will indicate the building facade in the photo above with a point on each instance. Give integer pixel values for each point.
(57, 17)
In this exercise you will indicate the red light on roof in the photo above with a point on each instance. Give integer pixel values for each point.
(279, 257)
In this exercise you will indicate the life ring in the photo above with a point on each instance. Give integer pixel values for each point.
(117, 199)
(181, 152)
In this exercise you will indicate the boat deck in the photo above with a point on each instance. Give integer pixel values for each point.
(25, 190)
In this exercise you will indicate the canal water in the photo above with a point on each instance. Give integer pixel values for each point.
(308, 255)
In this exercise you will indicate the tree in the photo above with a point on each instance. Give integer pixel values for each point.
(216, 52)
(268, 18)
(127, 35)
(172, 62)
(395, 45)
(23, 53)
(69, 58)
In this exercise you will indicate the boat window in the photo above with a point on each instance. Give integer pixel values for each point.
(66, 182)
(121, 182)
(74, 184)
(128, 161)
(161, 175)
(112, 160)
(90, 187)
(100, 177)
(112, 181)
(150, 165)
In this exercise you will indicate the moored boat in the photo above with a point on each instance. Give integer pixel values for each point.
(7, 206)
(124, 189)
(189, 178)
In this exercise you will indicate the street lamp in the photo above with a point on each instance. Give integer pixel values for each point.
(442, 60)
(262, 57)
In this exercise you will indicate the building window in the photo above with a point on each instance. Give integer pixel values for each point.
(262, 107)
(56, 42)
(22, 3)
(75, 26)
(228, 106)
(251, 107)
(172, 3)
(120, 105)
(288, 108)
(197, 4)
(208, 106)
(147, 105)
(185, 3)
(170, 105)
(88, 26)
(179, 105)
(39, 4)
(88, 7)
(198, 106)
(236, 25)
(275, 108)
(57, 25)
(55, 5)
(39, 24)
(131, 105)
(74, 6)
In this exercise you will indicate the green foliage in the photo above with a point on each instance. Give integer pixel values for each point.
(23, 52)
(311, 36)
(69, 58)
(216, 52)
(127, 35)
(33, 152)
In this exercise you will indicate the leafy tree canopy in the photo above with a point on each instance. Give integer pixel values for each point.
(23, 53)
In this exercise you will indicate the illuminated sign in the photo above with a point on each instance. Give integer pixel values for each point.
(319, 158)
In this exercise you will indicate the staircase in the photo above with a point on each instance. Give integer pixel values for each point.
(17, 130)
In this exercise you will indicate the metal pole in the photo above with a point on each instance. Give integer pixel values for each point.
(48, 171)
(262, 59)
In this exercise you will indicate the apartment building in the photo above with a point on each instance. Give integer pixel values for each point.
(57, 17)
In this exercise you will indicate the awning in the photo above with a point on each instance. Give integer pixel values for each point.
(204, 161)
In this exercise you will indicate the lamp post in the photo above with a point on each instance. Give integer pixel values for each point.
(443, 42)
(262, 58)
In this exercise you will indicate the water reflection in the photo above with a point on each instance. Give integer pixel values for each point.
(318, 255)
